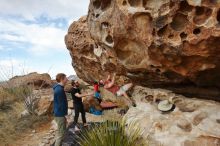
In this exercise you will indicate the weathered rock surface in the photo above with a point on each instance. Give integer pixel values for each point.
(40, 102)
(45, 105)
(107, 95)
(198, 127)
(35, 80)
(89, 102)
(149, 42)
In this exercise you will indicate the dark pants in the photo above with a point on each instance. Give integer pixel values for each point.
(79, 108)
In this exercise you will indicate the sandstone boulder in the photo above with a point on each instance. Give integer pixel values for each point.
(184, 125)
(91, 102)
(35, 80)
(107, 95)
(153, 43)
(187, 107)
(45, 106)
(202, 141)
(198, 118)
(177, 128)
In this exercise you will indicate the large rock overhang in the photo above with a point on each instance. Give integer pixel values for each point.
(168, 44)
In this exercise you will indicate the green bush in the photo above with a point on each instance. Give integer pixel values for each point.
(111, 133)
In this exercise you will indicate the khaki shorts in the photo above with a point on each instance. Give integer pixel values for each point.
(122, 90)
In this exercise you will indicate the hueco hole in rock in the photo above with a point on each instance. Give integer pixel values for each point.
(146, 73)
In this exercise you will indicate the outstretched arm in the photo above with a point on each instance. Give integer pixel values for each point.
(109, 77)
(83, 95)
(109, 85)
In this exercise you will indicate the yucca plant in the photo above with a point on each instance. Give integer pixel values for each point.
(30, 103)
(111, 133)
(26, 94)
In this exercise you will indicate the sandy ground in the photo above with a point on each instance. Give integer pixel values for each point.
(35, 137)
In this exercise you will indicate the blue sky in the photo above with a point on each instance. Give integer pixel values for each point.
(32, 35)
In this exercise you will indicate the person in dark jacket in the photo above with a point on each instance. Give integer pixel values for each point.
(78, 104)
(60, 107)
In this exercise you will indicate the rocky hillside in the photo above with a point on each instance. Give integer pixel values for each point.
(169, 43)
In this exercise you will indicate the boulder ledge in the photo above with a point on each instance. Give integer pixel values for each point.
(169, 43)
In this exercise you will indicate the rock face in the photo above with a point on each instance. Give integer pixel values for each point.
(195, 127)
(34, 80)
(153, 43)
(45, 105)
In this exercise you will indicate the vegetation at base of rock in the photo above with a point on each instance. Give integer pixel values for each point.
(13, 94)
(13, 101)
(112, 133)
(12, 124)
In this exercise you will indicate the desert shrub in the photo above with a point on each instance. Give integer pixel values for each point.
(12, 124)
(112, 133)
(12, 94)
(19, 92)
(3, 97)
(13, 101)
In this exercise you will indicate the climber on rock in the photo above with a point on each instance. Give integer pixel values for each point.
(110, 85)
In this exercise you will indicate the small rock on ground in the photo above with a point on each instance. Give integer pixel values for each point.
(184, 125)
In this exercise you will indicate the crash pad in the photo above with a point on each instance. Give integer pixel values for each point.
(108, 105)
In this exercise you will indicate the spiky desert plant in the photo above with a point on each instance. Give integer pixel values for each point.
(30, 103)
(111, 133)
(24, 93)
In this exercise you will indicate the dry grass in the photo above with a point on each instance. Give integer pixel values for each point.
(13, 101)
(11, 107)
(12, 94)
(111, 115)
(8, 120)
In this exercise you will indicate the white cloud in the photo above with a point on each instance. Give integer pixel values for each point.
(9, 68)
(30, 9)
(10, 37)
(1, 48)
(53, 70)
(43, 39)
(9, 62)
(37, 39)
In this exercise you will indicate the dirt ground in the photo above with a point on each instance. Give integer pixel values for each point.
(36, 137)
(44, 134)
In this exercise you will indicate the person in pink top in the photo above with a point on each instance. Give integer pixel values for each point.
(109, 84)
